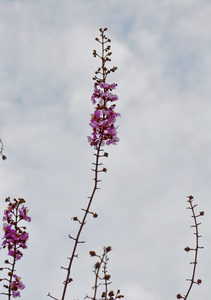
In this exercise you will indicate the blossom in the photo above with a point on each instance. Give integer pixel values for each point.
(23, 213)
(103, 119)
(16, 285)
(14, 239)
(108, 86)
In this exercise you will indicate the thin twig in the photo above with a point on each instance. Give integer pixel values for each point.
(197, 247)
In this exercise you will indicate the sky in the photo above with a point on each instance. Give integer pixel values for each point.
(162, 51)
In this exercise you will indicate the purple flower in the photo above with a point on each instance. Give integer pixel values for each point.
(108, 86)
(16, 285)
(23, 213)
(104, 117)
(14, 237)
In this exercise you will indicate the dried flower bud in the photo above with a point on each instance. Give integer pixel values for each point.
(111, 293)
(75, 219)
(187, 249)
(179, 296)
(92, 253)
(107, 277)
(201, 213)
(94, 54)
(21, 200)
(120, 296)
(97, 265)
(199, 281)
(103, 295)
(108, 249)
(95, 215)
(190, 197)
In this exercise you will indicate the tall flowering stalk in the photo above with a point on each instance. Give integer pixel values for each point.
(104, 132)
(14, 240)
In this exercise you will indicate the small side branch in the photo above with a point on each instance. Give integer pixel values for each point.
(49, 295)
(197, 247)
(102, 278)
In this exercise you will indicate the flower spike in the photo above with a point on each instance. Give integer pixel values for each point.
(14, 239)
(102, 120)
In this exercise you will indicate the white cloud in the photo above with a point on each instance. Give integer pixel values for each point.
(46, 63)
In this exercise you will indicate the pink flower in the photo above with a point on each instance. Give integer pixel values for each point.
(23, 213)
(14, 237)
(16, 285)
(108, 86)
(104, 117)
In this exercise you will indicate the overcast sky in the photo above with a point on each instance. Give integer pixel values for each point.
(162, 51)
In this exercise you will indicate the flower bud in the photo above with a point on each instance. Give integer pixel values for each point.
(108, 249)
(107, 277)
(97, 265)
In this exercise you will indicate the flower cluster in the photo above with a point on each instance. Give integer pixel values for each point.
(14, 239)
(104, 117)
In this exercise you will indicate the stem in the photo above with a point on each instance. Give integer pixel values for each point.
(83, 221)
(103, 58)
(97, 276)
(106, 281)
(14, 257)
(196, 249)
